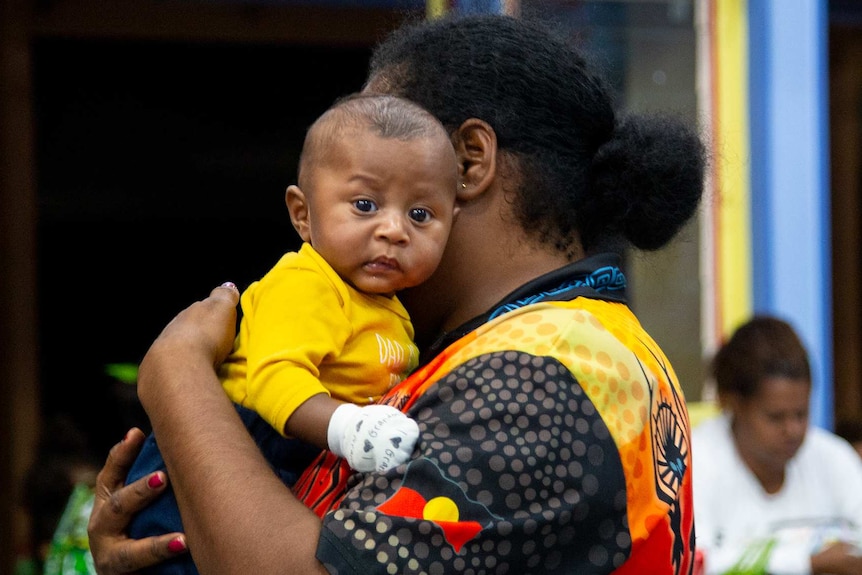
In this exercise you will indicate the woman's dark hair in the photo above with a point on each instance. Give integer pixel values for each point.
(585, 171)
(762, 347)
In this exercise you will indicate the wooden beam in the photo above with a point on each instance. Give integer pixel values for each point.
(212, 21)
(845, 90)
(19, 410)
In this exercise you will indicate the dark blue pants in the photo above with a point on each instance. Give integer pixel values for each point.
(288, 458)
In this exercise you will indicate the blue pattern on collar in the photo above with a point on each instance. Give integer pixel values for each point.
(604, 279)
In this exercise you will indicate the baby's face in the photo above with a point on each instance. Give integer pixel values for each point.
(380, 209)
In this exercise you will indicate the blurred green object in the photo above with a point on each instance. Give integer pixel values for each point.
(125, 372)
(70, 548)
(26, 567)
(755, 558)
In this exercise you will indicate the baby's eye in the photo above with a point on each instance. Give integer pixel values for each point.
(365, 205)
(420, 215)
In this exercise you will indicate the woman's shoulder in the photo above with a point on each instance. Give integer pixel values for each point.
(712, 429)
(823, 445)
(711, 444)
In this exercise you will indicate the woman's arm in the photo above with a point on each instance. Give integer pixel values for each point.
(239, 517)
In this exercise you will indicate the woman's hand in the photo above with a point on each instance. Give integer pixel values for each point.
(238, 516)
(205, 329)
(115, 504)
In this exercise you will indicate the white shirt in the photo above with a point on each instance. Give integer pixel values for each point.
(822, 488)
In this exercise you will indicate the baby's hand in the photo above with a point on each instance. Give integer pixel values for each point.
(371, 438)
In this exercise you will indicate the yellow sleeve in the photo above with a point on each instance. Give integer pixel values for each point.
(293, 321)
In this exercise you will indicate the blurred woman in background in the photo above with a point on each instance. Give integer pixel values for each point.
(772, 494)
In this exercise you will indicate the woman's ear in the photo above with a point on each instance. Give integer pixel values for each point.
(297, 207)
(476, 148)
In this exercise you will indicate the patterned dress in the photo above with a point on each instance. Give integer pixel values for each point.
(554, 439)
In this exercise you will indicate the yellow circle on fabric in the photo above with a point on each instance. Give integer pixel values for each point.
(440, 509)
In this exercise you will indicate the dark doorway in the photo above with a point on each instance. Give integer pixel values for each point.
(161, 173)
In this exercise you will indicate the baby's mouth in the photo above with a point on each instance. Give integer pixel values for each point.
(383, 263)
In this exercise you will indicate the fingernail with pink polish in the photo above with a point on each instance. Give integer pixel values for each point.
(177, 545)
(230, 285)
(156, 481)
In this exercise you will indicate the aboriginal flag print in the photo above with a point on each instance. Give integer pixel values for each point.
(447, 506)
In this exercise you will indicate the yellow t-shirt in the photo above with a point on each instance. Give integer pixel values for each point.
(304, 331)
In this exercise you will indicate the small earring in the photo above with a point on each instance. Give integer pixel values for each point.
(463, 185)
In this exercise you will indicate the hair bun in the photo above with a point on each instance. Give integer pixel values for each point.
(647, 180)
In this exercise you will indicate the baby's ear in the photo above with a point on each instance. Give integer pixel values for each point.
(297, 206)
